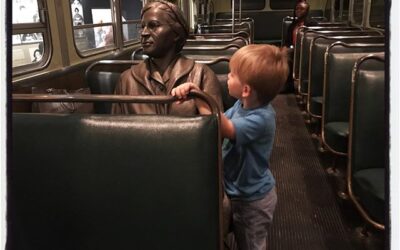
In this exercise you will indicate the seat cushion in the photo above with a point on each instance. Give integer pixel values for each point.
(337, 135)
(369, 187)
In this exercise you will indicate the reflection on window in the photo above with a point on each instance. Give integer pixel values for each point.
(92, 38)
(25, 11)
(282, 4)
(256, 4)
(341, 10)
(131, 23)
(30, 35)
(358, 11)
(131, 31)
(377, 14)
(97, 15)
(27, 49)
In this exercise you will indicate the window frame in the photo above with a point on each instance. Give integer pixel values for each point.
(43, 27)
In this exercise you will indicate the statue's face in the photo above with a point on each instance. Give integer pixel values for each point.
(158, 38)
(301, 10)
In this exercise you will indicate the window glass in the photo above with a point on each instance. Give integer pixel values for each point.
(27, 48)
(250, 4)
(130, 12)
(328, 10)
(358, 11)
(92, 23)
(282, 4)
(377, 14)
(29, 36)
(25, 11)
(341, 15)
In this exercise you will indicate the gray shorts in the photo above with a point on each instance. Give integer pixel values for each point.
(251, 221)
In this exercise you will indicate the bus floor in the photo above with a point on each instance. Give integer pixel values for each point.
(309, 214)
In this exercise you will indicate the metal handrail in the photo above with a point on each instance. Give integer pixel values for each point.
(115, 99)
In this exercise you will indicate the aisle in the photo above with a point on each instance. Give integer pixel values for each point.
(308, 215)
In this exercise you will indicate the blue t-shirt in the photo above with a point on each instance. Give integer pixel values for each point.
(246, 159)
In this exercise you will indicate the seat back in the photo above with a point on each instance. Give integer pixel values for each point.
(318, 47)
(299, 37)
(196, 52)
(220, 66)
(339, 62)
(308, 36)
(242, 34)
(240, 41)
(368, 140)
(102, 77)
(249, 21)
(286, 22)
(114, 182)
(246, 26)
(367, 116)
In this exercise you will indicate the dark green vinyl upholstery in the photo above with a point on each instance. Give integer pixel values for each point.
(102, 82)
(299, 41)
(307, 39)
(340, 60)
(102, 77)
(197, 53)
(114, 182)
(368, 137)
(318, 47)
(240, 41)
(221, 70)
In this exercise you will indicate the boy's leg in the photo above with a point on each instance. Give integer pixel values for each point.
(251, 221)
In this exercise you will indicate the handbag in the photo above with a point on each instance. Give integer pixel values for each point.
(62, 107)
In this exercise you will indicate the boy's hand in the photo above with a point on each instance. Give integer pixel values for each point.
(183, 90)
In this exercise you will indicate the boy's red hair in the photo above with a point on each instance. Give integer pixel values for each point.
(263, 67)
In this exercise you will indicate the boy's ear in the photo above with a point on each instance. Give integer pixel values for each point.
(246, 91)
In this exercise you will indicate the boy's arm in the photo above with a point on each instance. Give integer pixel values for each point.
(227, 128)
(181, 92)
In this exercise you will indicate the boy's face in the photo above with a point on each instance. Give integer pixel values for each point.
(235, 87)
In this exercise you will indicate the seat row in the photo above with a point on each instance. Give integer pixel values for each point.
(213, 49)
(92, 180)
(339, 75)
(102, 77)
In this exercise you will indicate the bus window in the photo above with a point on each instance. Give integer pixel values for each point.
(341, 10)
(27, 49)
(377, 14)
(358, 8)
(92, 24)
(130, 15)
(30, 35)
(253, 4)
(282, 4)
